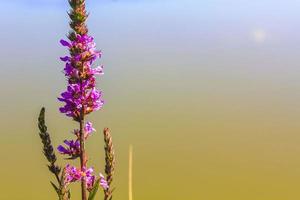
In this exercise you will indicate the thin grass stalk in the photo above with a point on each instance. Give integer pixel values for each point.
(130, 195)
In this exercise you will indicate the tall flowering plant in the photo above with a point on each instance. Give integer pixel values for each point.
(80, 98)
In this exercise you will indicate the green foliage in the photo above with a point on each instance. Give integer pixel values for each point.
(94, 190)
(55, 188)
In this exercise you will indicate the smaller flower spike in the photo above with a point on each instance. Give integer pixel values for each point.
(72, 149)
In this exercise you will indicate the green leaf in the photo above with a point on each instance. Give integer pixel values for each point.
(94, 190)
(56, 188)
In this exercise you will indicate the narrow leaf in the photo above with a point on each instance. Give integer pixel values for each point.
(94, 190)
(56, 188)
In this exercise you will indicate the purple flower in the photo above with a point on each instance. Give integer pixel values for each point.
(65, 43)
(89, 177)
(95, 71)
(72, 149)
(103, 182)
(90, 180)
(65, 58)
(88, 129)
(72, 174)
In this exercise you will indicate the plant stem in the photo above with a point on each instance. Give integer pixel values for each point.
(83, 159)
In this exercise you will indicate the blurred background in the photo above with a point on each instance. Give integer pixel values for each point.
(207, 92)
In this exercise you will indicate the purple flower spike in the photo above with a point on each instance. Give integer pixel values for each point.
(81, 94)
(80, 98)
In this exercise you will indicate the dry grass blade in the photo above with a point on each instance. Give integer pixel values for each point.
(109, 162)
(130, 196)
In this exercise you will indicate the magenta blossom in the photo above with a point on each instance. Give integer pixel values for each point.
(103, 182)
(90, 179)
(72, 149)
(88, 129)
(73, 175)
